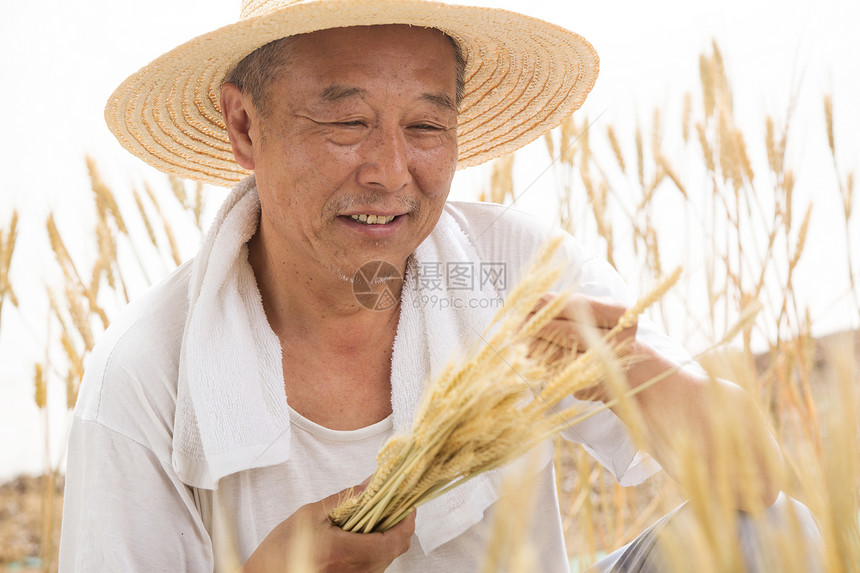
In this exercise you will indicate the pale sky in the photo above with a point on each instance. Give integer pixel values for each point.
(61, 59)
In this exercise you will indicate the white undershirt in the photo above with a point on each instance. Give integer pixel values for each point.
(325, 461)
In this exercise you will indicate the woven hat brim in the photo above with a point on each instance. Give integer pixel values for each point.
(524, 77)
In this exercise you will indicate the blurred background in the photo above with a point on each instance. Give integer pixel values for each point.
(62, 59)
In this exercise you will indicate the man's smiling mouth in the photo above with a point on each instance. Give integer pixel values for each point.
(373, 219)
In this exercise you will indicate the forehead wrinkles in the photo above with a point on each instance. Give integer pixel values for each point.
(344, 56)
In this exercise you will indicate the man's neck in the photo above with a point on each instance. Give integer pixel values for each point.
(311, 299)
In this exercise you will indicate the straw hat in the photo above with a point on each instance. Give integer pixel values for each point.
(524, 77)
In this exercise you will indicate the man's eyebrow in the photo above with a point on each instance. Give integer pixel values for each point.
(440, 99)
(336, 93)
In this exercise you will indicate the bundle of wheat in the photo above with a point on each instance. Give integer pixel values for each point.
(501, 402)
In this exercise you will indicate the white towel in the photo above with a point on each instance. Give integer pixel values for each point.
(437, 326)
(231, 409)
(232, 412)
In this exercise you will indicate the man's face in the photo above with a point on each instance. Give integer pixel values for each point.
(362, 126)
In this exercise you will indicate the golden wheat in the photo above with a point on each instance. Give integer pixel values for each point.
(499, 404)
(168, 230)
(105, 201)
(7, 249)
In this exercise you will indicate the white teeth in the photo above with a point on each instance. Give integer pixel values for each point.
(373, 219)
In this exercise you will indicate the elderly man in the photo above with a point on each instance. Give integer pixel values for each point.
(228, 407)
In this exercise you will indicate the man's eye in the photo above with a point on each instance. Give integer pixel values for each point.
(427, 127)
(352, 123)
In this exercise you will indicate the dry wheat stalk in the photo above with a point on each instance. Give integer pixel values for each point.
(550, 145)
(656, 133)
(707, 151)
(7, 248)
(73, 384)
(107, 251)
(640, 162)
(7, 243)
(728, 153)
(583, 140)
(510, 547)
(568, 137)
(663, 162)
(502, 180)
(39, 394)
(770, 144)
(706, 76)
(828, 116)
(616, 147)
(847, 191)
(76, 366)
(80, 318)
(105, 201)
(685, 117)
(60, 252)
(198, 206)
(178, 190)
(801, 241)
(168, 230)
(742, 157)
(499, 404)
(788, 188)
(145, 218)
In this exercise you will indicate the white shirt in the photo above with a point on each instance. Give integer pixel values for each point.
(127, 510)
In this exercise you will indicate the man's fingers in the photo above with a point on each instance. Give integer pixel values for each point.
(373, 548)
(581, 320)
(400, 536)
(602, 313)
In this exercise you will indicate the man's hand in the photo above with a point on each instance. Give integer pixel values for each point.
(582, 317)
(307, 540)
(582, 320)
(683, 411)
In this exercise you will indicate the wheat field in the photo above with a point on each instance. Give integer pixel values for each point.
(746, 239)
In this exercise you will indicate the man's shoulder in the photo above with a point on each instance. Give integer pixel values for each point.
(483, 221)
(504, 234)
(132, 371)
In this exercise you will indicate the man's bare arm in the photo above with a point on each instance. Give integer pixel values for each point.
(682, 413)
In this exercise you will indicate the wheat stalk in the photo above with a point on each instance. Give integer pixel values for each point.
(706, 76)
(150, 232)
(663, 162)
(39, 393)
(178, 190)
(616, 147)
(568, 136)
(7, 248)
(105, 201)
(640, 161)
(168, 230)
(499, 404)
(198, 205)
(502, 180)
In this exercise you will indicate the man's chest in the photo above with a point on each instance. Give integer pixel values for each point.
(339, 392)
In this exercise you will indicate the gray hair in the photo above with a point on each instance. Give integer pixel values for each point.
(256, 72)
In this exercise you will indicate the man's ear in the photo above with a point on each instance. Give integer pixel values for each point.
(238, 112)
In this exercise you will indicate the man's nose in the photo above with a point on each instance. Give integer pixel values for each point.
(386, 165)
